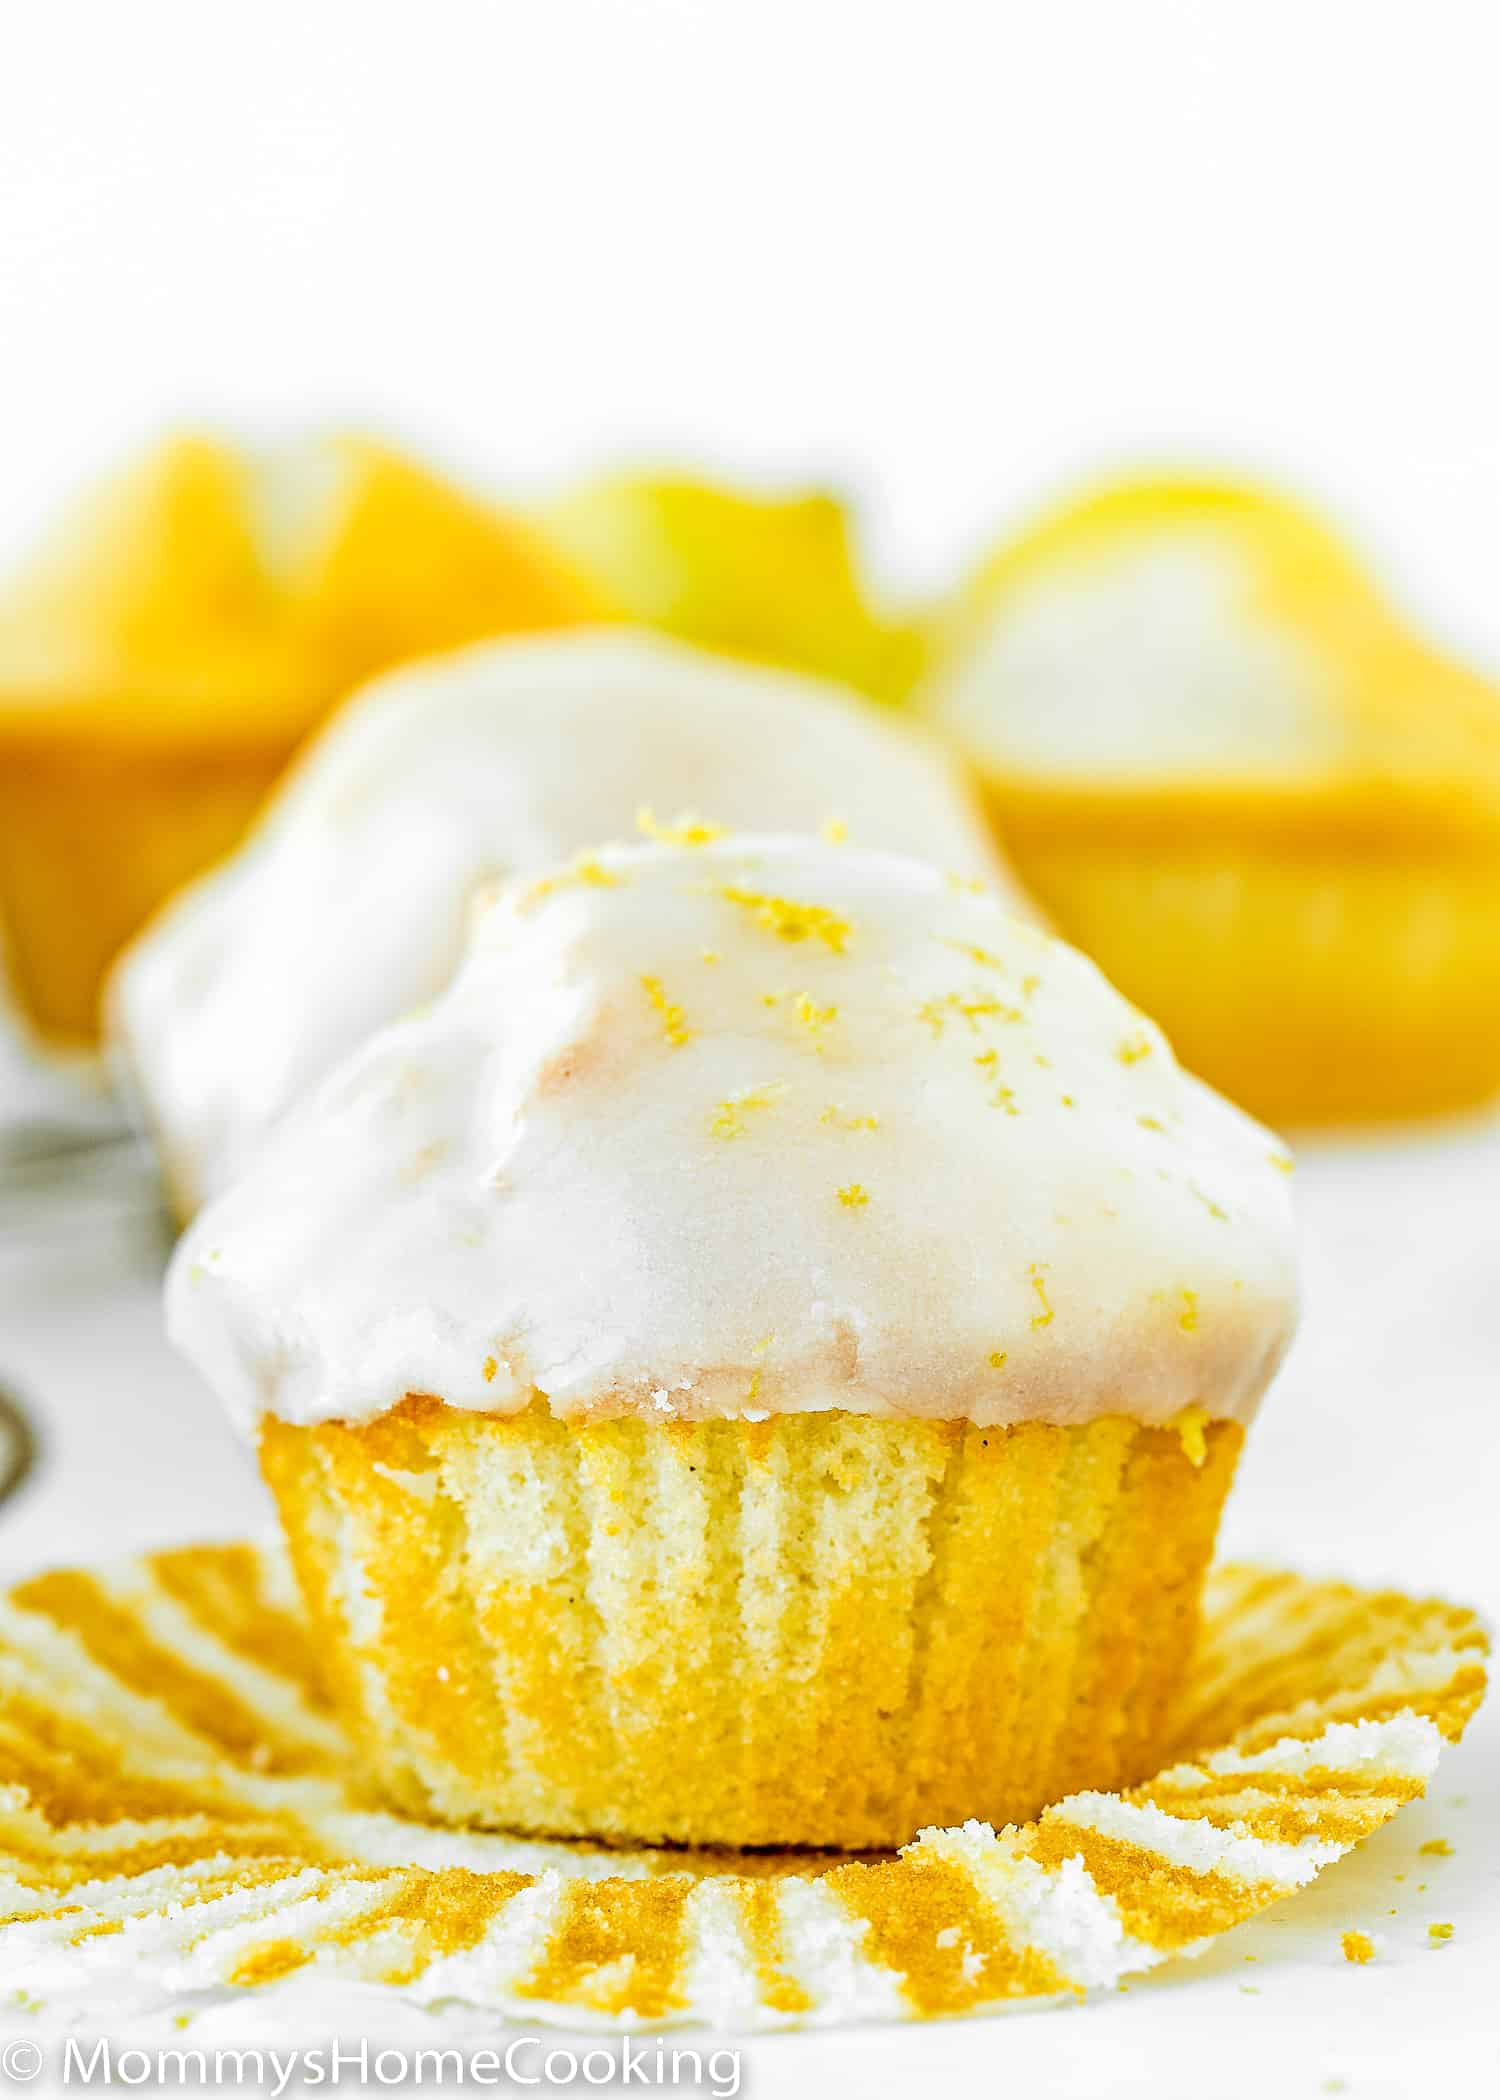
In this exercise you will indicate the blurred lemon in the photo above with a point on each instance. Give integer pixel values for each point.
(1231, 773)
(774, 579)
(165, 652)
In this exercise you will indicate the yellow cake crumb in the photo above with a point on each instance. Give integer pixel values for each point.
(1437, 1848)
(1187, 1319)
(998, 1359)
(1440, 1932)
(1133, 1049)
(712, 955)
(835, 831)
(674, 1027)
(686, 829)
(1358, 1946)
(854, 1195)
(490, 1368)
(789, 920)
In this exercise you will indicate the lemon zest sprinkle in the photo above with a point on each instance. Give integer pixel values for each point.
(685, 829)
(1215, 1210)
(674, 1027)
(854, 1196)
(998, 1359)
(1191, 1424)
(1187, 1319)
(1133, 1049)
(1038, 1274)
(973, 1010)
(1004, 1097)
(728, 1119)
(1358, 1946)
(586, 869)
(815, 1018)
(835, 831)
(983, 956)
(836, 1115)
(789, 920)
(490, 1368)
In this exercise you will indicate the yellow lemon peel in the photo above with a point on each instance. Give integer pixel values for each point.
(674, 1027)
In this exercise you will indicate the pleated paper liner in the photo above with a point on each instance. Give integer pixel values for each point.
(177, 1805)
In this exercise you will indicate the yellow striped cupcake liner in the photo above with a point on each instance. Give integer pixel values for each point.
(178, 1806)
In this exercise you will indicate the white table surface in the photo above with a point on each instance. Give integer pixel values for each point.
(1377, 1456)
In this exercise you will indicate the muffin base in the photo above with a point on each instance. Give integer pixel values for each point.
(821, 1630)
(1316, 972)
(95, 833)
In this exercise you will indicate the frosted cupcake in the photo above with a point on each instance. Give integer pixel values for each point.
(759, 1362)
(1235, 776)
(346, 907)
(187, 627)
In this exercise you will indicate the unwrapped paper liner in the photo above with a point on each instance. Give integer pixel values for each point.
(178, 1803)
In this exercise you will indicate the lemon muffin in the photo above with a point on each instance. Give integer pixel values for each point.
(346, 905)
(758, 1362)
(1232, 775)
(774, 578)
(163, 657)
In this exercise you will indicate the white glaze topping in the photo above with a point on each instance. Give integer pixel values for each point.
(761, 1125)
(346, 906)
(1147, 663)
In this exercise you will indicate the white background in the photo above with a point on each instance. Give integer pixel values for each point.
(948, 255)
